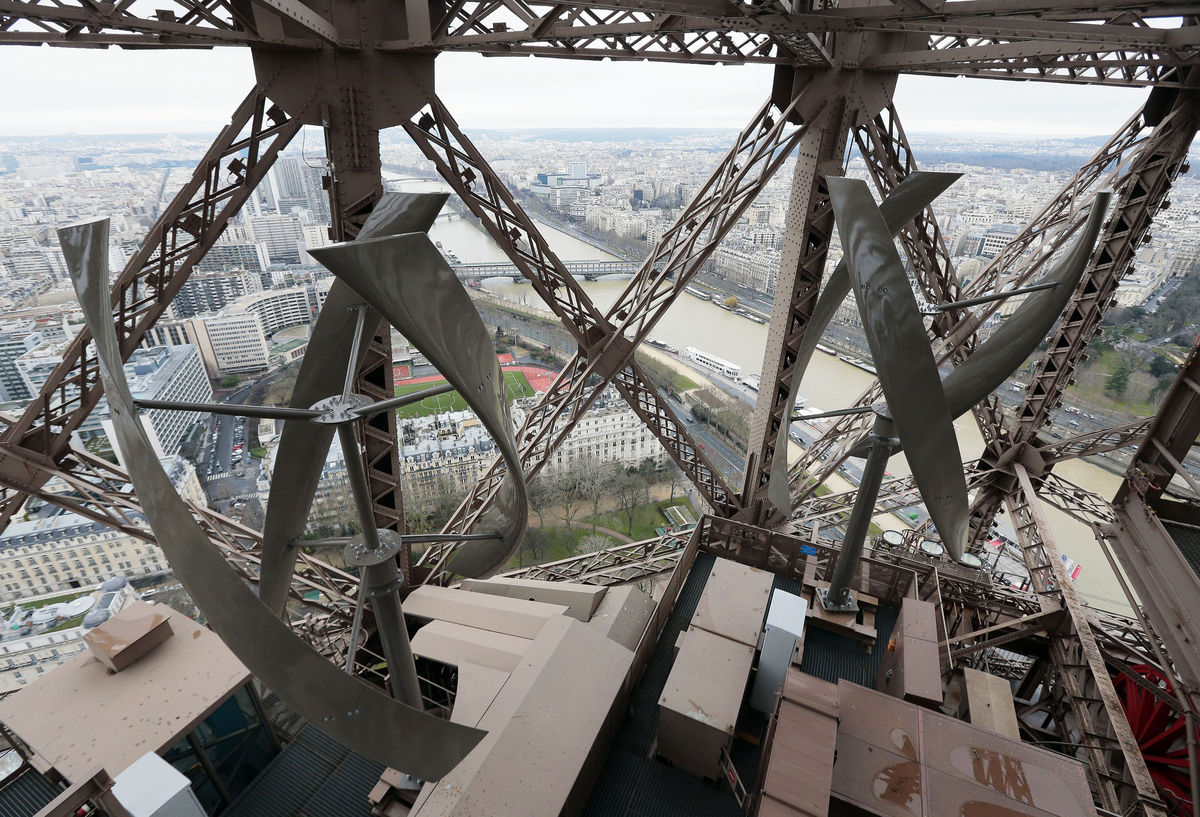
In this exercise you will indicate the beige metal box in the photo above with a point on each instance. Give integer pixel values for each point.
(990, 703)
(734, 601)
(121, 641)
(911, 664)
(699, 705)
(581, 600)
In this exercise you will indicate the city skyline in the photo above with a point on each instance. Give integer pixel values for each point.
(123, 92)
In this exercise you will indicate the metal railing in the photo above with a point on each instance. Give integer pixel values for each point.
(90, 796)
(732, 778)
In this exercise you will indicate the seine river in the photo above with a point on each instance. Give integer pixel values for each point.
(828, 384)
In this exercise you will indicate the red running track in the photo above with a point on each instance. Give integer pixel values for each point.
(539, 377)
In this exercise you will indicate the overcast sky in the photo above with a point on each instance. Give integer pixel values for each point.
(62, 90)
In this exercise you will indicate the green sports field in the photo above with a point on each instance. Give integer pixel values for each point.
(517, 385)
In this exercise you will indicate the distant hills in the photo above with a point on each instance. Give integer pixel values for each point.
(1000, 151)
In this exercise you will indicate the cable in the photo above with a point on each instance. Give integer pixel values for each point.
(303, 148)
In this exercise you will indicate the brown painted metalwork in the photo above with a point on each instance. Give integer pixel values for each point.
(1102, 43)
(1118, 773)
(757, 153)
(238, 160)
(1105, 42)
(463, 167)
(1140, 192)
(807, 234)
(1158, 491)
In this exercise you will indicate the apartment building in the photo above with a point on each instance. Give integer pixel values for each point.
(212, 291)
(159, 373)
(41, 632)
(235, 339)
(16, 339)
(609, 432)
(65, 551)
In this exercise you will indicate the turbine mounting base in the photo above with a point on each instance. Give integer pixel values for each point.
(848, 604)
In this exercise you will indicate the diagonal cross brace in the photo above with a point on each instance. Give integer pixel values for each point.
(759, 151)
(463, 167)
(196, 217)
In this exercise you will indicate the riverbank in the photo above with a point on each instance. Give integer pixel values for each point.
(829, 383)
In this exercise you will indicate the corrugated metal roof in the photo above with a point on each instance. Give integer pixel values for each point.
(313, 777)
(26, 793)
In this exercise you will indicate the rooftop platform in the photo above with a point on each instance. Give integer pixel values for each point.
(81, 716)
(632, 783)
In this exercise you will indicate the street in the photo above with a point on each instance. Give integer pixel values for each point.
(227, 470)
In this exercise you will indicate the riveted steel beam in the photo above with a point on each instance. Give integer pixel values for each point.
(1141, 188)
(465, 169)
(235, 163)
(807, 235)
(1095, 442)
(757, 153)
(1121, 782)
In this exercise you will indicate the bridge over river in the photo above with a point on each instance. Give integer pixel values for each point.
(589, 270)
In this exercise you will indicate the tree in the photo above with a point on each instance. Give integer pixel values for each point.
(676, 479)
(541, 497)
(1102, 342)
(1118, 380)
(566, 493)
(1160, 388)
(1160, 366)
(647, 468)
(731, 301)
(592, 543)
(414, 519)
(632, 493)
(229, 381)
(596, 480)
(448, 500)
(533, 543)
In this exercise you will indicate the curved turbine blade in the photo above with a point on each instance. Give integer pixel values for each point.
(1010, 345)
(399, 213)
(357, 714)
(900, 207)
(303, 445)
(407, 281)
(900, 349)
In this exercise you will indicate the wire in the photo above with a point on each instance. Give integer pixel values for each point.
(303, 148)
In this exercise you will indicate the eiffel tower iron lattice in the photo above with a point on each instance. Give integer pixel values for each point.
(356, 68)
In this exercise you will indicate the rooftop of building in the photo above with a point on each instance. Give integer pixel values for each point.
(51, 523)
(32, 621)
(49, 528)
(148, 370)
(288, 346)
(81, 716)
(151, 370)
